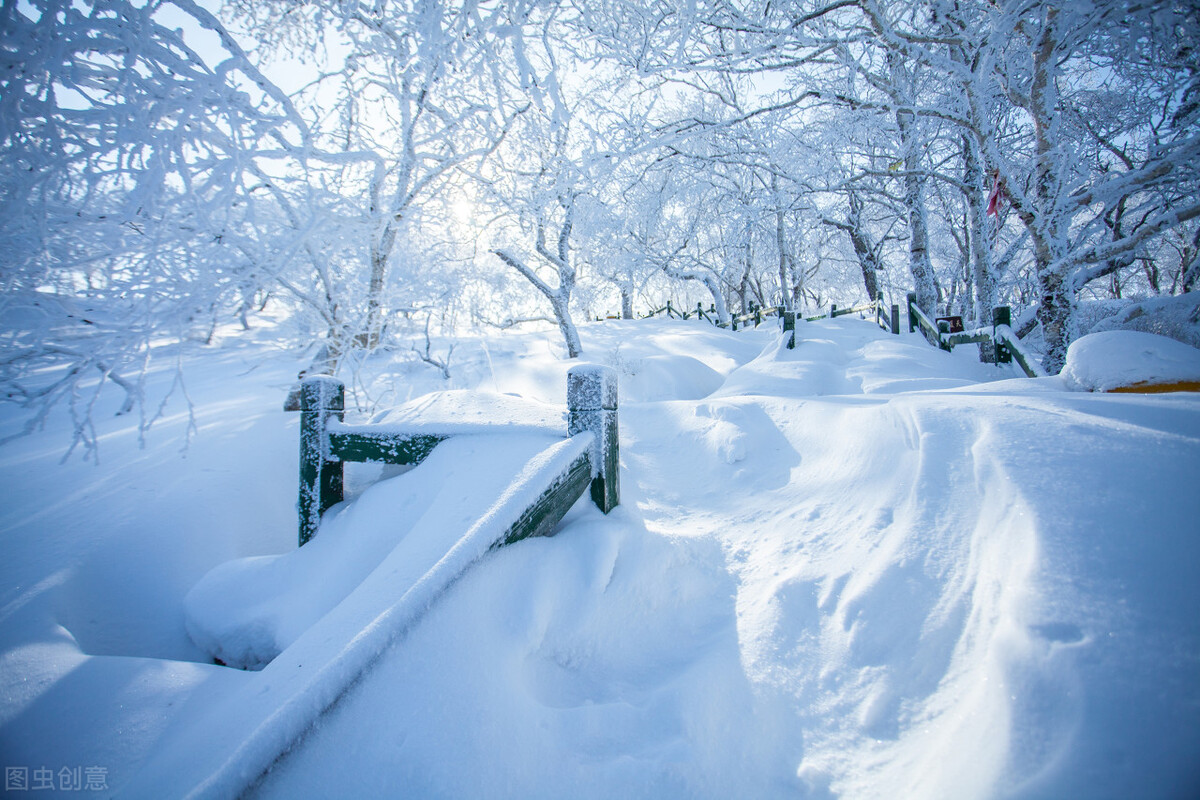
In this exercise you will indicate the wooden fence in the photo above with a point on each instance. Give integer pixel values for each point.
(1006, 347)
(759, 314)
(327, 443)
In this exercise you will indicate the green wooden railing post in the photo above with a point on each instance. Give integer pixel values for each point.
(757, 316)
(1001, 315)
(322, 398)
(592, 406)
(896, 318)
(789, 329)
(912, 318)
(832, 310)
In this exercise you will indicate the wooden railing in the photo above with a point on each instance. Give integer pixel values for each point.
(759, 314)
(1006, 346)
(327, 443)
(675, 313)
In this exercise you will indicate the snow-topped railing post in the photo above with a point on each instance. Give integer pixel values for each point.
(322, 398)
(929, 329)
(832, 310)
(1001, 315)
(896, 318)
(592, 407)
(789, 329)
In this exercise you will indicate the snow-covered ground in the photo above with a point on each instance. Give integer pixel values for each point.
(860, 568)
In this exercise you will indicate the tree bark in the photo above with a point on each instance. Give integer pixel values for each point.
(918, 235)
(1057, 298)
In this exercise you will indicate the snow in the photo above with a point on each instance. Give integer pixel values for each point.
(860, 568)
(1102, 362)
(461, 525)
(458, 411)
(1175, 316)
(245, 612)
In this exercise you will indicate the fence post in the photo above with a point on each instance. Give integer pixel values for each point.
(670, 311)
(912, 299)
(789, 329)
(757, 316)
(1001, 315)
(896, 318)
(322, 398)
(592, 406)
(832, 310)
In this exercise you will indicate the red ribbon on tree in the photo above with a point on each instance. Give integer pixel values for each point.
(997, 193)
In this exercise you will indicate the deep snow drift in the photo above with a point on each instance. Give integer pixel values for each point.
(860, 568)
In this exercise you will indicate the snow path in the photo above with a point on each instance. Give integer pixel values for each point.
(863, 568)
(814, 586)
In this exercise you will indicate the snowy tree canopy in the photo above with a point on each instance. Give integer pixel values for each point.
(374, 171)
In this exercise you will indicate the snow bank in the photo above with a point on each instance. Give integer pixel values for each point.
(1102, 362)
(1177, 317)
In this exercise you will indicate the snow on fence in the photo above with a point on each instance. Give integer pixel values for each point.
(1006, 346)
(232, 744)
(327, 443)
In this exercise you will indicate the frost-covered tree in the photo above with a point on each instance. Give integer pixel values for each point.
(125, 169)
(409, 94)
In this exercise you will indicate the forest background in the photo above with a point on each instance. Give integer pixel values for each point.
(367, 176)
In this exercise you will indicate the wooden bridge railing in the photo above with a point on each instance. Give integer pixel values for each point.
(327, 443)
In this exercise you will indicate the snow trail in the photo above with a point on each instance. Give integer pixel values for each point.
(861, 568)
(863, 600)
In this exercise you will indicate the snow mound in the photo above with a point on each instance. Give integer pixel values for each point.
(1102, 362)
(666, 377)
(245, 612)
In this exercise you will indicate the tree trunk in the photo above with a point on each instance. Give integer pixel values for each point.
(982, 272)
(1056, 312)
(626, 301)
(381, 250)
(862, 248)
(781, 245)
(918, 236)
(714, 288)
(562, 313)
